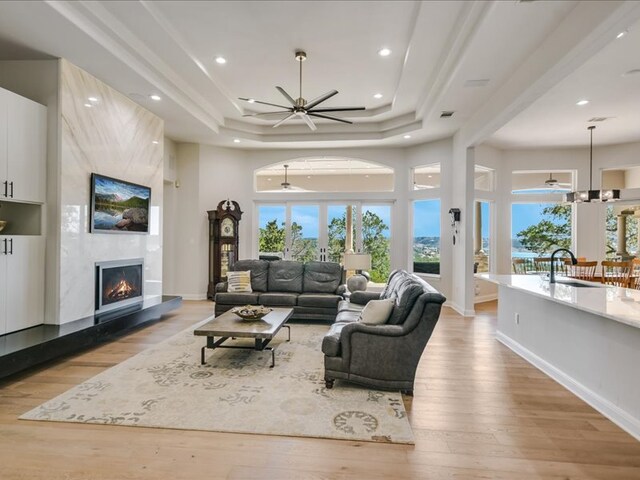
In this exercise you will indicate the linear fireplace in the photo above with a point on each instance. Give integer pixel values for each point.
(119, 284)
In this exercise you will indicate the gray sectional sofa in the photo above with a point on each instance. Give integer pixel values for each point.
(383, 356)
(313, 289)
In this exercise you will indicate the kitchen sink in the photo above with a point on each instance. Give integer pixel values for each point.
(578, 284)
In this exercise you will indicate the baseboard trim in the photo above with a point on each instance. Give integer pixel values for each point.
(620, 417)
(193, 296)
(485, 298)
(460, 310)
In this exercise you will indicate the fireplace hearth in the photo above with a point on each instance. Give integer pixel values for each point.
(119, 284)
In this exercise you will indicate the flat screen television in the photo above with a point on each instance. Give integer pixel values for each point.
(118, 206)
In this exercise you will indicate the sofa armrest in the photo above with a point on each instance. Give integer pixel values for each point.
(375, 331)
(362, 298)
(221, 287)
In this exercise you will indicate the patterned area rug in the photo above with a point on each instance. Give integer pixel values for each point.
(236, 391)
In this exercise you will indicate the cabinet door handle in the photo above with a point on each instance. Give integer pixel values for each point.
(6, 188)
(5, 246)
(11, 243)
(11, 189)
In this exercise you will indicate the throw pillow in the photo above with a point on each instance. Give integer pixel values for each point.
(239, 282)
(376, 312)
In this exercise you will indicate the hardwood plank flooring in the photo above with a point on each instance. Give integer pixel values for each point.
(479, 412)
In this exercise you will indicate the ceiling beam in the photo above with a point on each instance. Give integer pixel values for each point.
(584, 31)
(115, 38)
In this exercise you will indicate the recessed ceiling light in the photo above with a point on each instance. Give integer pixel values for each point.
(621, 34)
(407, 136)
(384, 52)
(88, 105)
(221, 60)
(93, 99)
(155, 142)
(236, 140)
(251, 100)
(308, 176)
(366, 176)
(582, 102)
(377, 95)
(155, 98)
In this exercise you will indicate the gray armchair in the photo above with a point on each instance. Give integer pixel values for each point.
(383, 356)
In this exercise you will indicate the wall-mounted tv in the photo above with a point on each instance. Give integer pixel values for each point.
(118, 206)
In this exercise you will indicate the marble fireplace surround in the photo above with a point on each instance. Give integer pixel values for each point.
(114, 137)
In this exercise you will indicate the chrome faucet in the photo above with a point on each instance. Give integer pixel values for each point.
(552, 272)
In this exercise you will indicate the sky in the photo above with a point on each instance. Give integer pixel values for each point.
(107, 186)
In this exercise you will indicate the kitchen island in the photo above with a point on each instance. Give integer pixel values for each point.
(584, 335)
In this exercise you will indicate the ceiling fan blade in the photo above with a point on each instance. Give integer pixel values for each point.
(284, 120)
(265, 113)
(337, 109)
(320, 99)
(329, 117)
(263, 103)
(286, 95)
(312, 125)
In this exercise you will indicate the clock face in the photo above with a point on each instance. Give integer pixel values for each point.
(227, 228)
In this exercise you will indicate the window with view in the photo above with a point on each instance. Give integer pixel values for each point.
(622, 218)
(537, 229)
(541, 182)
(481, 245)
(426, 236)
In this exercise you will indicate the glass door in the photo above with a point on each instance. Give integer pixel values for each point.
(375, 239)
(272, 234)
(303, 232)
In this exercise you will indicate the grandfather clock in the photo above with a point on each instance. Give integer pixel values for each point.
(223, 242)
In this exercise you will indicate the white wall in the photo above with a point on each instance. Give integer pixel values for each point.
(169, 216)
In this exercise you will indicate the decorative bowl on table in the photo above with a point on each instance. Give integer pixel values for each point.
(3, 223)
(251, 312)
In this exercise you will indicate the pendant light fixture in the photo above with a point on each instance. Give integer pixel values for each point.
(586, 196)
(285, 185)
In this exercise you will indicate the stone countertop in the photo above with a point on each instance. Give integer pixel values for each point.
(615, 303)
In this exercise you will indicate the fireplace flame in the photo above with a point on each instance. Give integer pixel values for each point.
(123, 289)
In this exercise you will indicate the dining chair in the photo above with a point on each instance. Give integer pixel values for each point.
(634, 278)
(582, 270)
(543, 264)
(616, 273)
(519, 266)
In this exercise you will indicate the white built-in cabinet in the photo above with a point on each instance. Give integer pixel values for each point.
(23, 132)
(22, 275)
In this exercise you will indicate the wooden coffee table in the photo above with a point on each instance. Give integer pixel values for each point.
(229, 325)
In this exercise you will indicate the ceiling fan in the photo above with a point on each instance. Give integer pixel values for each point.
(553, 183)
(300, 107)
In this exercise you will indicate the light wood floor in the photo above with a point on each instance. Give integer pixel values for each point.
(479, 412)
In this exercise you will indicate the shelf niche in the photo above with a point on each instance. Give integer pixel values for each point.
(22, 218)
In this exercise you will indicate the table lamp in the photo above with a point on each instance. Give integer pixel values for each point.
(357, 262)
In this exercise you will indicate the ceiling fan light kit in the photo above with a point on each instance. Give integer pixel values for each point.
(591, 195)
(300, 107)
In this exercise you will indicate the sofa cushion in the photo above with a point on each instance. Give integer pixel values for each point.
(346, 305)
(324, 300)
(239, 281)
(237, 298)
(376, 312)
(347, 317)
(285, 276)
(331, 340)
(259, 272)
(406, 291)
(278, 299)
(321, 277)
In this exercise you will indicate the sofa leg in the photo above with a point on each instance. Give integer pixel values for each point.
(328, 382)
(408, 393)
